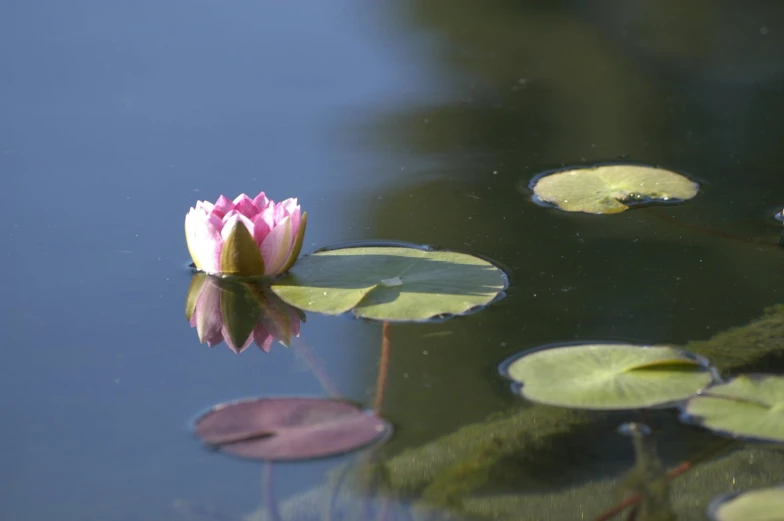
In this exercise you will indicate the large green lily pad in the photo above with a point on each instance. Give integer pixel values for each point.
(609, 376)
(764, 504)
(612, 188)
(749, 406)
(391, 283)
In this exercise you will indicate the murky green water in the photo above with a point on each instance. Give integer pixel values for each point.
(421, 122)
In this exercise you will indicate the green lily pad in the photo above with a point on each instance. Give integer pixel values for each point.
(612, 188)
(391, 283)
(608, 376)
(763, 504)
(749, 406)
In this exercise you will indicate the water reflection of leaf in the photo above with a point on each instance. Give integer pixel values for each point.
(239, 312)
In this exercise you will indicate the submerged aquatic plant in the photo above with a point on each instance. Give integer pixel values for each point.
(245, 237)
(648, 479)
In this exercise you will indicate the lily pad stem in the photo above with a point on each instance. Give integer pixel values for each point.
(269, 493)
(383, 368)
(318, 371)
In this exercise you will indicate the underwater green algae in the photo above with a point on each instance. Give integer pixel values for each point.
(753, 347)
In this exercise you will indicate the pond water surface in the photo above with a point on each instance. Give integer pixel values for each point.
(420, 122)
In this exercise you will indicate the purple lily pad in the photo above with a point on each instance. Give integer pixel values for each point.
(289, 428)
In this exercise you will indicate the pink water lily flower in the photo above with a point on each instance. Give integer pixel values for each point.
(245, 237)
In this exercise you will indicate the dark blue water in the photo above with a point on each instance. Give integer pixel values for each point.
(417, 122)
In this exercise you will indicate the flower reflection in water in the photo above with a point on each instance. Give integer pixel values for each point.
(239, 312)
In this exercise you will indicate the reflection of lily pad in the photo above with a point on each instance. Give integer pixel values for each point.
(391, 283)
(764, 504)
(289, 428)
(612, 188)
(609, 376)
(749, 406)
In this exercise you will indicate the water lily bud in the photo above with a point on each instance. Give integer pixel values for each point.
(239, 312)
(245, 237)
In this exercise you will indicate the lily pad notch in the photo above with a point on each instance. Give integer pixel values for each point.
(610, 188)
(392, 283)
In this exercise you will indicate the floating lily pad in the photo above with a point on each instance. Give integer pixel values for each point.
(749, 406)
(612, 188)
(764, 504)
(391, 283)
(608, 376)
(289, 428)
